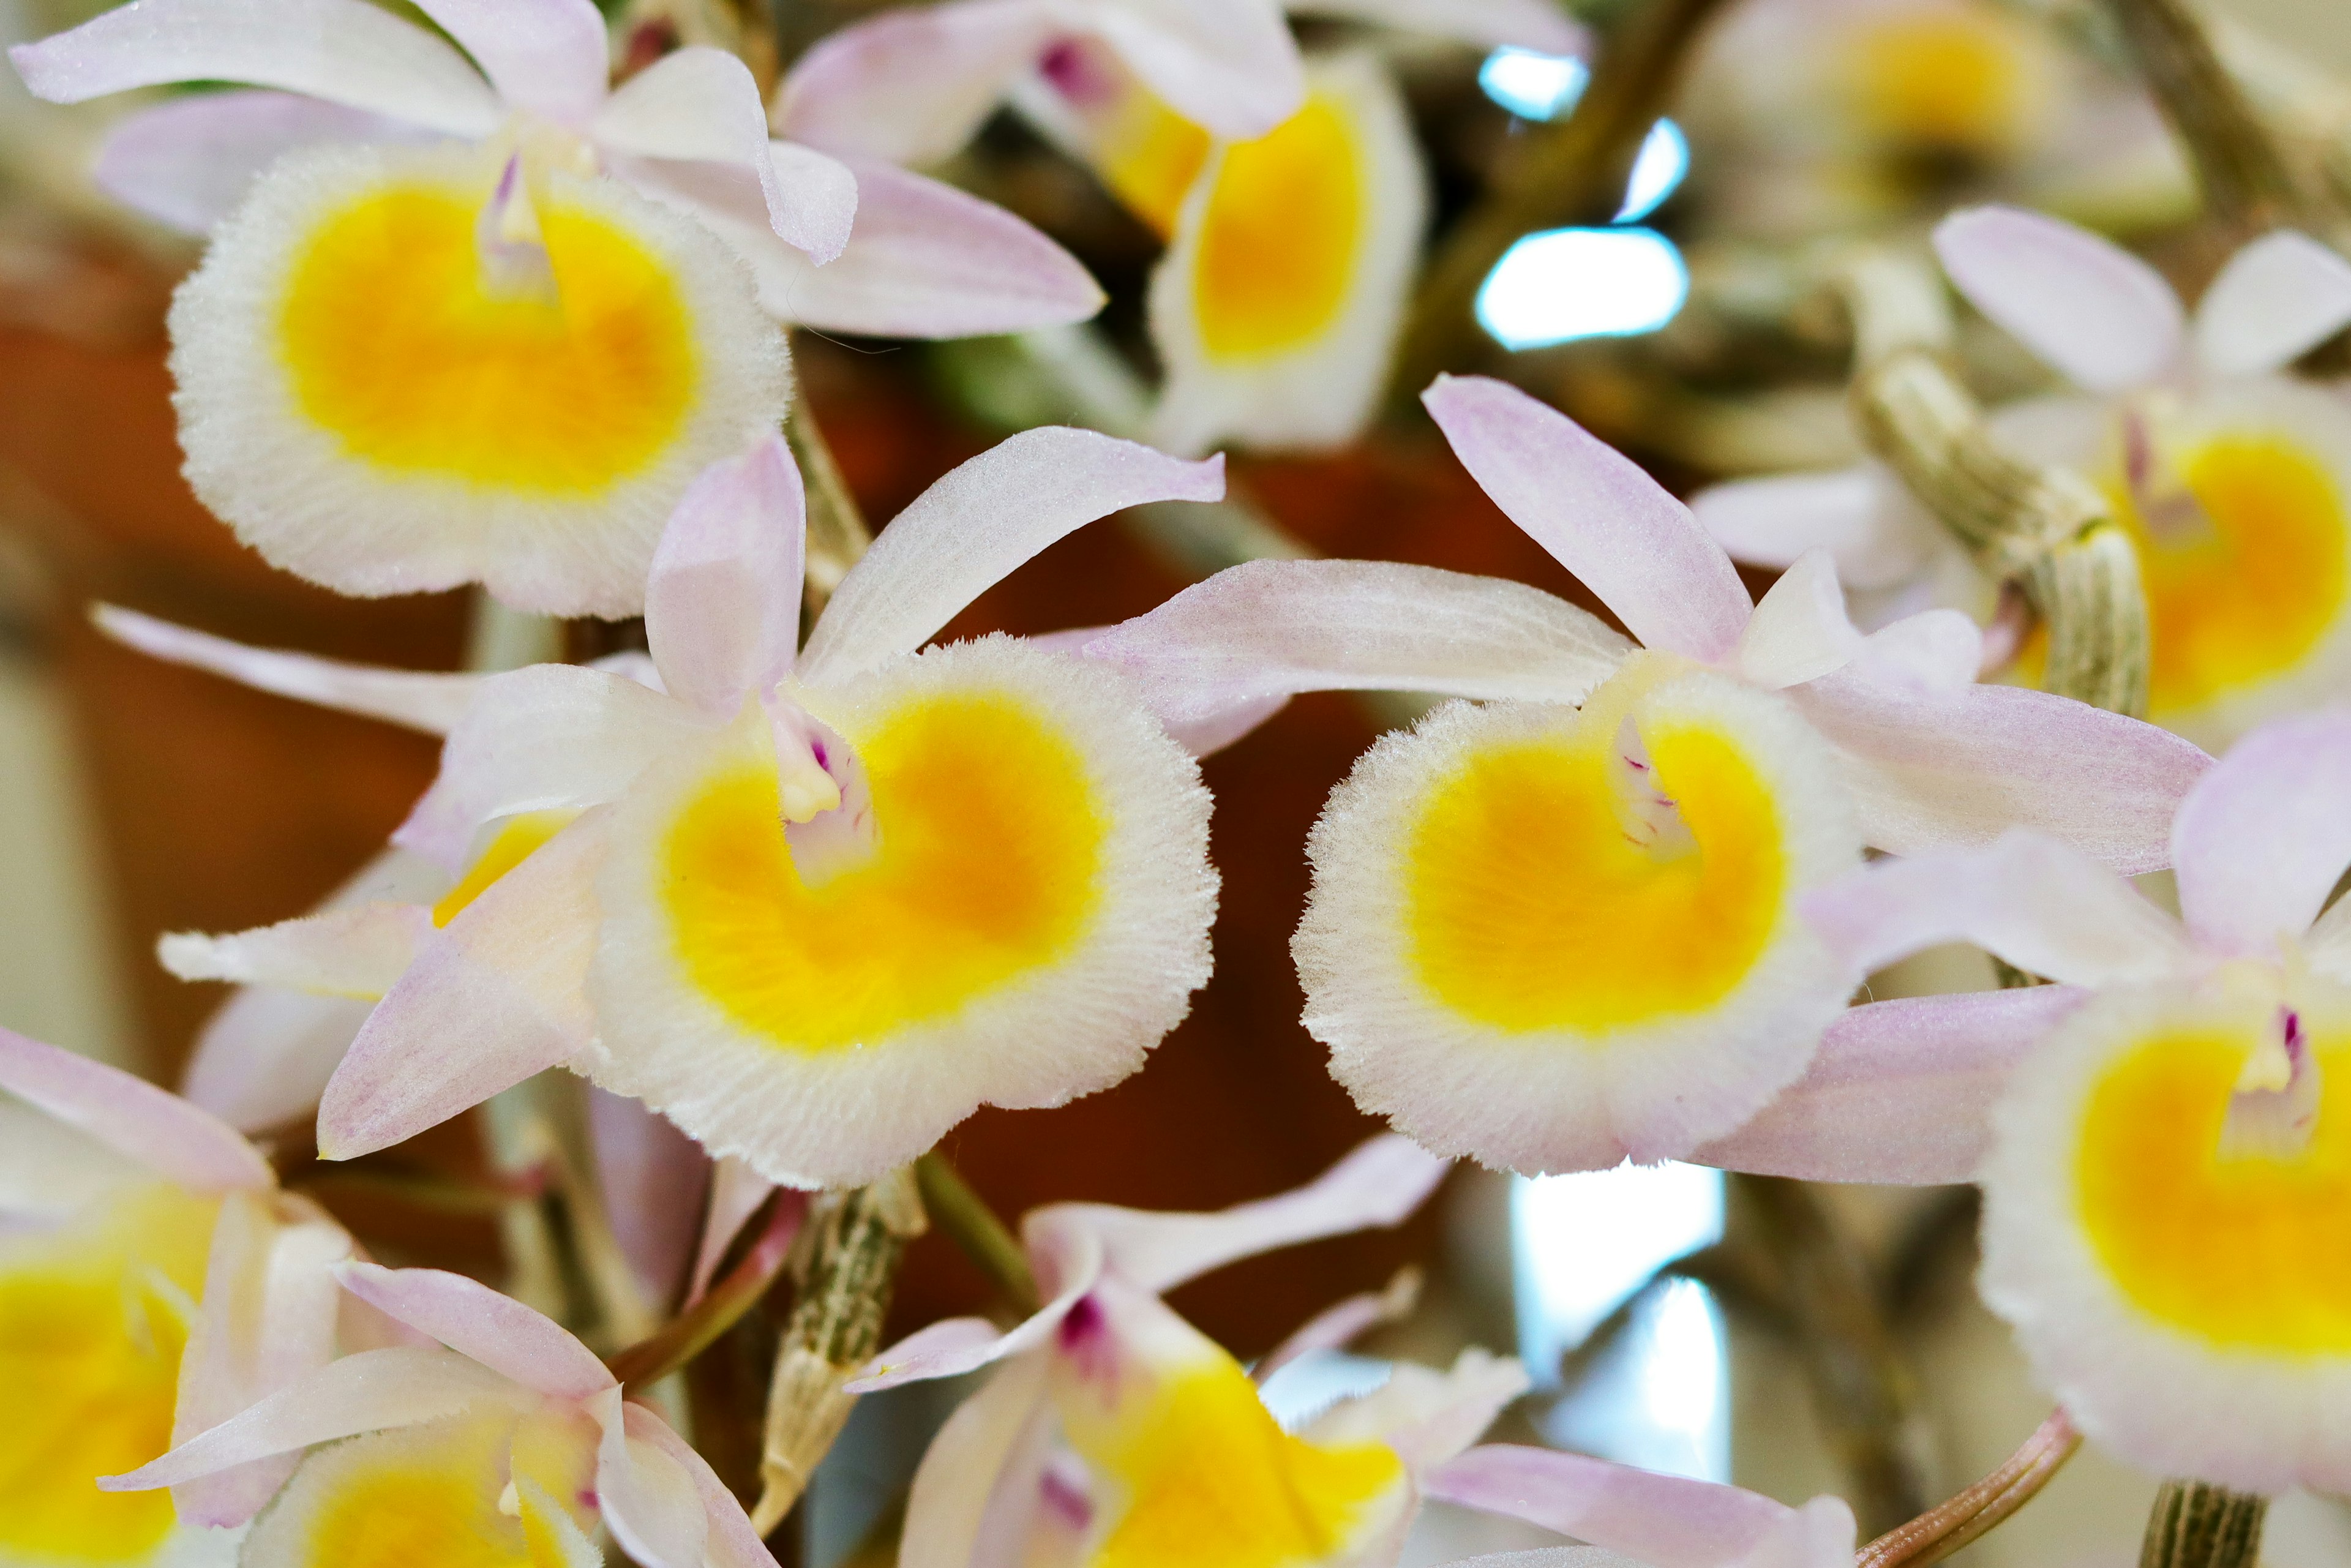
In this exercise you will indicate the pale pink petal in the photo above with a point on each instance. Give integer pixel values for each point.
(188, 161)
(2091, 310)
(264, 1059)
(1931, 768)
(268, 1317)
(1068, 1261)
(2041, 905)
(369, 1392)
(1860, 516)
(911, 86)
(1227, 65)
(1933, 651)
(419, 699)
(2277, 299)
(1799, 630)
(132, 1117)
(1598, 513)
(967, 531)
(925, 260)
(723, 603)
(2263, 838)
(475, 1321)
(1901, 1092)
(546, 737)
(731, 1543)
(1379, 1185)
(500, 994)
(647, 1498)
(1427, 1416)
(1540, 26)
(976, 1486)
(357, 952)
(345, 51)
(549, 57)
(737, 1191)
(1212, 732)
(653, 1179)
(1271, 628)
(701, 106)
(1665, 1521)
(1337, 1326)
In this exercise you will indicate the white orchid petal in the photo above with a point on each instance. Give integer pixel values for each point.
(723, 604)
(911, 86)
(417, 699)
(2277, 299)
(188, 161)
(2091, 309)
(2262, 839)
(549, 57)
(131, 1116)
(1800, 630)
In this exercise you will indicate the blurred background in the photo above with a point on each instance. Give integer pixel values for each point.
(138, 799)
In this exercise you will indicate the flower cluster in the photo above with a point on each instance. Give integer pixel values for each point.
(798, 889)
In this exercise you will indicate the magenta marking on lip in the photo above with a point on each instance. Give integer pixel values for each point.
(1065, 1498)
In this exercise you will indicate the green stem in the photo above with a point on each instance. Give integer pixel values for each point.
(972, 1226)
(2195, 1524)
(700, 1326)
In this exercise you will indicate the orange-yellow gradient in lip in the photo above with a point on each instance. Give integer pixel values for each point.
(398, 345)
(1953, 79)
(988, 869)
(513, 843)
(393, 1503)
(1278, 242)
(92, 1324)
(1149, 157)
(1529, 908)
(2244, 1251)
(2252, 595)
(1207, 1476)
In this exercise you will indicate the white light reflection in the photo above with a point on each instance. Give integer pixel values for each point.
(1565, 284)
(1533, 85)
(1580, 1245)
(1658, 172)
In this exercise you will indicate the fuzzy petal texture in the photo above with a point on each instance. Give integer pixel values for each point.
(971, 530)
(549, 736)
(336, 352)
(368, 1392)
(498, 996)
(1502, 949)
(2091, 310)
(827, 1033)
(723, 606)
(1381, 1183)
(925, 260)
(360, 952)
(1665, 1521)
(549, 57)
(911, 86)
(1931, 768)
(1293, 356)
(2262, 839)
(344, 51)
(2034, 902)
(1901, 1093)
(188, 161)
(414, 699)
(131, 1116)
(2277, 299)
(1270, 629)
(1598, 515)
(475, 1321)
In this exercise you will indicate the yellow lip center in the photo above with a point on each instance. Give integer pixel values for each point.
(407, 345)
(990, 841)
(1277, 248)
(1954, 79)
(2244, 1245)
(1551, 885)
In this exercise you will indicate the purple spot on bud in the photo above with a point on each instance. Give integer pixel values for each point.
(816, 749)
(1064, 1498)
(2296, 1043)
(1081, 1325)
(1075, 74)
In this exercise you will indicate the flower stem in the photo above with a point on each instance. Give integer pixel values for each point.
(2195, 1524)
(694, 1331)
(1943, 1530)
(972, 1226)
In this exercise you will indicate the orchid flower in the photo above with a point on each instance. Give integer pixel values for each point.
(914, 85)
(1559, 927)
(1671, 1522)
(485, 319)
(154, 1280)
(512, 1445)
(814, 908)
(1292, 241)
(1114, 1432)
(2233, 480)
(2162, 1137)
